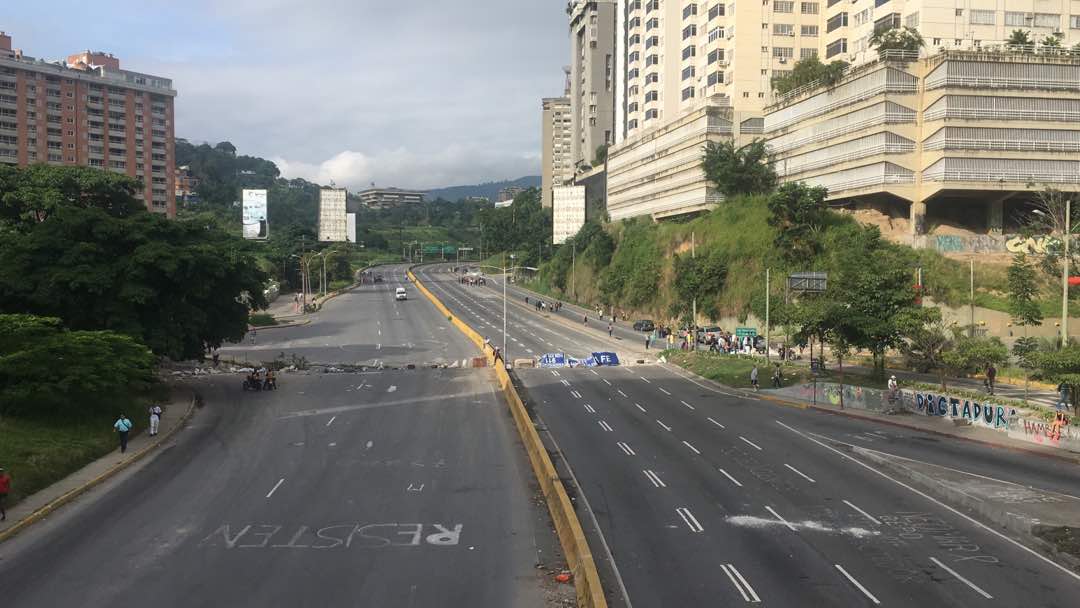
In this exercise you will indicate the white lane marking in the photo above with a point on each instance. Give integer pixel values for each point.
(863, 513)
(645, 379)
(665, 392)
(589, 408)
(782, 520)
(576, 394)
(276, 486)
(565, 382)
(369, 445)
(622, 393)
(606, 381)
(750, 442)
(640, 408)
(936, 502)
(666, 427)
(380, 332)
(554, 373)
(655, 479)
(529, 350)
(606, 426)
(695, 450)
(331, 421)
(733, 480)
(391, 389)
(689, 519)
(716, 423)
(687, 404)
(857, 584)
(799, 473)
(962, 579)
(591, 370)
(740, 583)
(626, 448)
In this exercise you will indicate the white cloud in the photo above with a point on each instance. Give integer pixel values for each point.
(404, 168)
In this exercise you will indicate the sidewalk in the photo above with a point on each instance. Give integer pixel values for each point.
(37, 506)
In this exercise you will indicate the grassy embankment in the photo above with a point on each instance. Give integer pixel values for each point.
(738, 230)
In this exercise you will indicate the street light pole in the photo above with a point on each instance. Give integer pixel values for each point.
(1065, 277)
(504, 310)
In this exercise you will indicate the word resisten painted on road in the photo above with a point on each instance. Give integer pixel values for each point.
(341, 536)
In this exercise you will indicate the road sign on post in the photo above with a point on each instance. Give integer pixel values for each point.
(742, 332)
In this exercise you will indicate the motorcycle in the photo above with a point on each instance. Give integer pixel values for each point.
(252, 385)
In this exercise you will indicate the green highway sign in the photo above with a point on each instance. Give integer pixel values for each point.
(742, 332)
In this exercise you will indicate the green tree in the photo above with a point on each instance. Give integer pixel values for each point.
(32, 194)
(1061, 366)
(925, 340)
(601, 155)
(807, 71)
(897, 39)
(1051, 42)
(1024, 310)
(1019, 38)
(798, 213)
(739, 170)
(49, 372)
(701, 278)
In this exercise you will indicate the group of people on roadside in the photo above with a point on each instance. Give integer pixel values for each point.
(777, 377)
(263, 378)
(542, 306)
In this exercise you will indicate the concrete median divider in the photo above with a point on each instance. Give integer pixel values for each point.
(590, 594)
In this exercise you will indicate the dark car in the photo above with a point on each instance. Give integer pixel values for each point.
(378, 278)
(644, 325)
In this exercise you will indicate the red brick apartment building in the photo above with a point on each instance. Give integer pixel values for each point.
(87, 111)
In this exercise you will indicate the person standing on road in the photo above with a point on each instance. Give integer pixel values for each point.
(155, 418)
(991, 375)
(609, 329)
(123, 427)
(753, 377)
(777, 377)
(648, 339)
(5, 488)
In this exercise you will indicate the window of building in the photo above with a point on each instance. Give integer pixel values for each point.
(809, 30)
(687, 93)
(784, 6)
(888, 22)
(56, 158)
(652, 41)
(716, 55)
(688, 52)
(835, 48)
(878, 3)
(652, 5)
(632, 124)
(716, 11)
(836, 22)
(652, 24)
(716, 34)
(650, 78)
(807, 53)
(689, 10)
(912, 20)
(652, 114)
(689, 31)
(1074, 22)
(634, 73)
(635, 22)
(631, 108)
(633, 57)
(715, 78)
(652, 96)
(783, 29)
(978, 17)
(809, 8)
(1051, 20)
(783, 52)
(1017, 18)
(937, 42)
(688, 73)
(746, 94)
(652, 60)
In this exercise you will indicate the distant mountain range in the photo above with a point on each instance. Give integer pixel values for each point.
(489, 190)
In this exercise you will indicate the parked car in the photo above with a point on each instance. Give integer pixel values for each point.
(712, 332)
(644, 325)
(400, 294)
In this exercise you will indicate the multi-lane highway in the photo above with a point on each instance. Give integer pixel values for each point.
(384, 488)
(712, 497)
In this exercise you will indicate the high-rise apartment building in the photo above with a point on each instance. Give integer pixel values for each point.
(592, 78)
(87, 111)
(556, 166)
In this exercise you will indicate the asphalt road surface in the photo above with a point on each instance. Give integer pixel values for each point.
(710, 497)
(384, 488)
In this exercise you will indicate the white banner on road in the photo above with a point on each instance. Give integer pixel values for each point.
(255, 221)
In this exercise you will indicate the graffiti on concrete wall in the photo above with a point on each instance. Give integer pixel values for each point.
(1045, 433)
(983, 414)
(1029, 245)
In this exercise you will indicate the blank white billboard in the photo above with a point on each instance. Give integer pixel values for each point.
(568, 212)
(332, 221)
(350, 224)
(254, 215)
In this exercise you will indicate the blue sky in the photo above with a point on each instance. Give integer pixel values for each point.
(417, 93)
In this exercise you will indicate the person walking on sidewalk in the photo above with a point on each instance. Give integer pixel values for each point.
(155, 418)
(777, 377)
(753, 377)
(609, 330)
(123, 427)
(648, 339)
(5, 488)
(991, 375)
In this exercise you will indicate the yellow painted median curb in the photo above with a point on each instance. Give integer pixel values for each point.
(48, 508)
(590, 594)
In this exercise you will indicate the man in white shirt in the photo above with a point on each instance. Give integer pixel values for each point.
(155, 418)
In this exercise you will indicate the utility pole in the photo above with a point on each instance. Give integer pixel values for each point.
(971, 276)
(1065, 277)
(693, 306)
(573, 271)
(767, 315)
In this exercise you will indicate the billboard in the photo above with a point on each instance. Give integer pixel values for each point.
(568, 212)
(254, 215)
(350, 227)
(332, 221)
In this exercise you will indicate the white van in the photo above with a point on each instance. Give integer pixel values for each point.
(400, 294)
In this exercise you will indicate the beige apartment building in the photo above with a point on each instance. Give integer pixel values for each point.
(960, 137)
(685, 61)
(555, 143)
(592, 77)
